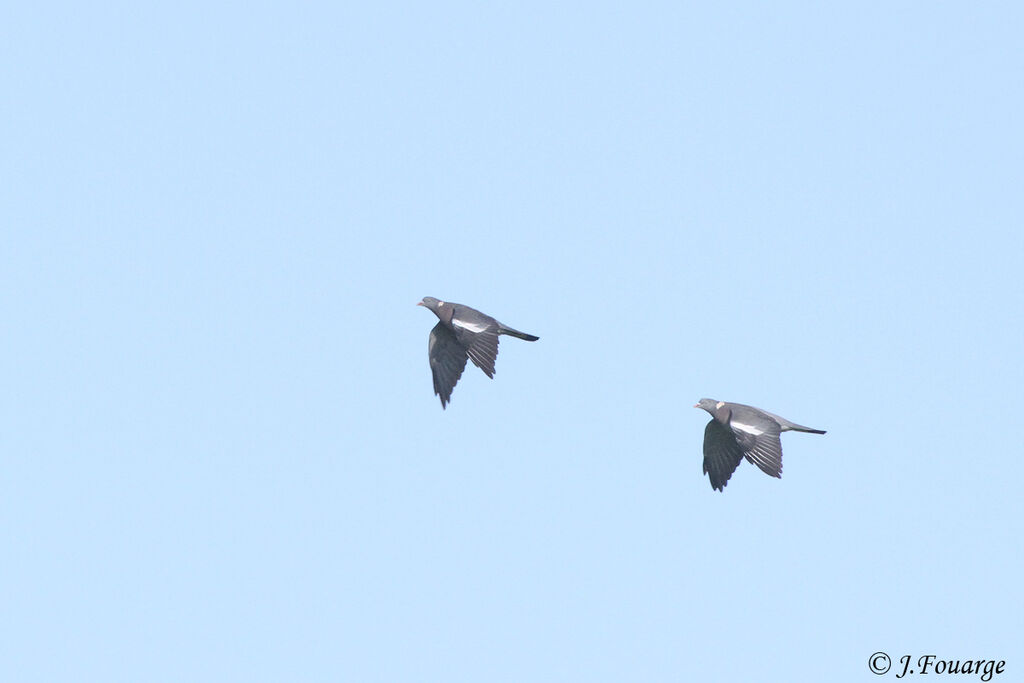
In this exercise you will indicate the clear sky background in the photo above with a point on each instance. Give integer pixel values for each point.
(221, 458)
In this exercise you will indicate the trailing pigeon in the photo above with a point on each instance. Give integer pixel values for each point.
(737, 431)
(462, 333)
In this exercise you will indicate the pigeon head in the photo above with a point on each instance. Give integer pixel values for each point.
(708, 404)
(430, 302)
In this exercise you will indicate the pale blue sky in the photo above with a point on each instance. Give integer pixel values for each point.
(221, 458)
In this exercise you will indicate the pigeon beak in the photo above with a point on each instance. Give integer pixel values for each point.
(696, 405)
(419, 303)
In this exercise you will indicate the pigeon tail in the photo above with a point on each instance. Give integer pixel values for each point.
(798, 428)
(502, 329)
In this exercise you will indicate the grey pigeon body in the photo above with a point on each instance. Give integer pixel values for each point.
(462, 333)
(737, 431)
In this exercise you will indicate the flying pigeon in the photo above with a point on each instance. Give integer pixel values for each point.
(737, 431)
(462, 332)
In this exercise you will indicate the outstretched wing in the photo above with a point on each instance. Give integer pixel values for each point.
(447, 361)
(484, 351)
(722, 455)
(763, 448)
(479, 335)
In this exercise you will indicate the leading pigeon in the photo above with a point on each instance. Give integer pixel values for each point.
(462, 333)
(737, 431)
